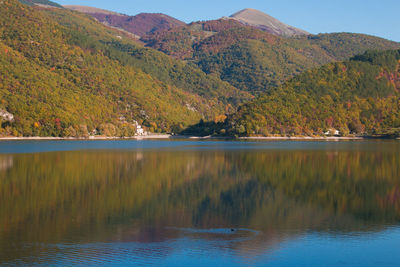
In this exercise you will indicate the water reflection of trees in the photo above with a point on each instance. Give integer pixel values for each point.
(48, 197)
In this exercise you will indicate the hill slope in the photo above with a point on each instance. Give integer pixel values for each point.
(40, 2)
(256, 65)
(262, 21)
(88, 33)
(250, 59)
(139, 25)
(69, 75)
(253, 60)
(91, 10)
(360, 96)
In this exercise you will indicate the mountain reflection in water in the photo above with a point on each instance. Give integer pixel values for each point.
(141, 206)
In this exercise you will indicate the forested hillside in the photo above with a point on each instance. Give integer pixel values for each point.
(356, 97)
(64, 74)
(88, 33)
(140, 24)
(253, 60)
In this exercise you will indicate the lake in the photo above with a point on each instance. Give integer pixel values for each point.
(196, 203)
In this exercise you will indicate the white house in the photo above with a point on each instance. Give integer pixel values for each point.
(139, 129)
(332, 132)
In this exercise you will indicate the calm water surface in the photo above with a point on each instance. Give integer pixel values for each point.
(188, 203)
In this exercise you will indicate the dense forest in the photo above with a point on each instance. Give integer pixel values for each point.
(253, 60)
(356, 97)
(64, 74)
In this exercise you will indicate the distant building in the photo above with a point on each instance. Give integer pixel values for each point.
(332, 132)
(139, 130)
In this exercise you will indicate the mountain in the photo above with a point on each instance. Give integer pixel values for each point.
(260, 20)
(255, 65)
(40, 2)
(253, 60)
(65, 74)
(139, 25)
(356, 97)
(91, 10)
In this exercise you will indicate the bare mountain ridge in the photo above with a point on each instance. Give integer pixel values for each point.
(145, 23)
(139, 25)
(42, 3)
(258, 19)
(91, 10)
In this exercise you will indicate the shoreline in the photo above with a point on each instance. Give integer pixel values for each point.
(304, 138)
(157, 136)
(168, 136)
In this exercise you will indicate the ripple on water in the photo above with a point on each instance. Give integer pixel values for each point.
(192, 243)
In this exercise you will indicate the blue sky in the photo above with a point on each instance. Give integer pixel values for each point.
(375, 17)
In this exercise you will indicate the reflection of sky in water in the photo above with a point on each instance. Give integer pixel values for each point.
(312, 249)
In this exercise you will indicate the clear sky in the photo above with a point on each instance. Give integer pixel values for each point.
(375, 17)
